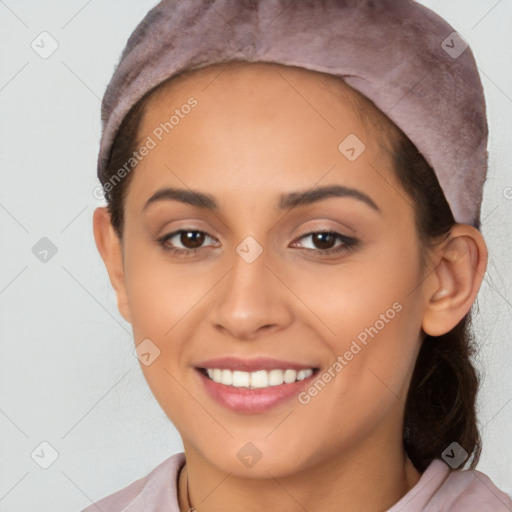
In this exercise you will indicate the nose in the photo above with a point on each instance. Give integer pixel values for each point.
(252, 300)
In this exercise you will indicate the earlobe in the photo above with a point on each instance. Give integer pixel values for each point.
(453, 285)
(110, 248)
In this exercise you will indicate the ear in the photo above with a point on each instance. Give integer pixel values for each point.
(453, 285)
(111, 250)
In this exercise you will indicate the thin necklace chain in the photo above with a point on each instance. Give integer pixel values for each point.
(190, 507)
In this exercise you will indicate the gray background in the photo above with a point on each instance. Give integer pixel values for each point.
(68, 374)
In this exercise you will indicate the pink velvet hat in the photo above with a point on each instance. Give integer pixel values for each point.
(402, 56)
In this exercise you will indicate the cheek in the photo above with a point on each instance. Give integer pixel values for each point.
(366, 313)
(160, 293)
(159, 304)
(349, 297)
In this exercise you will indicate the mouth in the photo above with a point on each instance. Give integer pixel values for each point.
(254, 391)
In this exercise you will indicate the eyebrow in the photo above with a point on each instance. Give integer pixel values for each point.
(286, 201)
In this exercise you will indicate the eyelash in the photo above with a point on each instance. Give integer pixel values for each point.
(349, 243)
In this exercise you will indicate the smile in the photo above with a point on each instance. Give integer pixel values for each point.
(256, 391)
(257, 379)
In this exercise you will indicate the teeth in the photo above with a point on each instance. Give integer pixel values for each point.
(290, 376)
(239, 378)
(303, 374)
(257, 379)
(226, 377)
(275, 377)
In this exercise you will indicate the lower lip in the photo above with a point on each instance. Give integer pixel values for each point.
(253, 400)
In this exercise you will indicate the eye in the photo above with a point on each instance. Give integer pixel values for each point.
(323, 242)
(190, 239)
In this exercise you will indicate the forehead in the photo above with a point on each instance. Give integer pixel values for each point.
(256, 122)
(222, 80)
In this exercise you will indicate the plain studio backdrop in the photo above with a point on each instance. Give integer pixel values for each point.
(70, 386)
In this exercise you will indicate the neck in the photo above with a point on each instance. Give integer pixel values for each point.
(345, 479)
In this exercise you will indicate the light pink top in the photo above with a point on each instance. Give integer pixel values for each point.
(438, 490)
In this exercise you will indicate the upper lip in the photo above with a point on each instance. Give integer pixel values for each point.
(253, 364)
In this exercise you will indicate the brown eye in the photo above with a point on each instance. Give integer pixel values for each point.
(192, 239)
(184, 241)
(324, 240)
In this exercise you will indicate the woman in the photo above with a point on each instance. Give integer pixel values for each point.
(292, 231)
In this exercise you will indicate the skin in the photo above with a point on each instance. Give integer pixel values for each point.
(259, 131)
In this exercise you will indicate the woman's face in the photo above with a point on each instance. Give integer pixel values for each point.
(268, 281)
